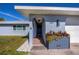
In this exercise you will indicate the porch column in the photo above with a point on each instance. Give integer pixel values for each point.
(30, 36)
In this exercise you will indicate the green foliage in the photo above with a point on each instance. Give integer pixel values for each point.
(2, 19)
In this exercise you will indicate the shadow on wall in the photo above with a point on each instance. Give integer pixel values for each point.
(72, 21)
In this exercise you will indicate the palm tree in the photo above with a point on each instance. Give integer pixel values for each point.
(2, 19)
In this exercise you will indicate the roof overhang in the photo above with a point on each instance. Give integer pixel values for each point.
(14, 22)
(26, 10)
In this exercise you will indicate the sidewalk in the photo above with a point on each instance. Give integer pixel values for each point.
(24, 47)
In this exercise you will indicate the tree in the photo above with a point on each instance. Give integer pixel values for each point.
(2, 19)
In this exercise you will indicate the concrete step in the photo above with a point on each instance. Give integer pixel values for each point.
(36, 42)
(39, 48)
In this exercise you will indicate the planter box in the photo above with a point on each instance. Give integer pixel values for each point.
(62, 43)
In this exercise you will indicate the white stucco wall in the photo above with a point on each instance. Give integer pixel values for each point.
(74, 33)
(72, 27)
(8, 30)
(51, 26)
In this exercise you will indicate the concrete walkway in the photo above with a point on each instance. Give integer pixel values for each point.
(40, 50)
(24, 47)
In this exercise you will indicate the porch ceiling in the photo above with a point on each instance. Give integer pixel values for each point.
(26, 10)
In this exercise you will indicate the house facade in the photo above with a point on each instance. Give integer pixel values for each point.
(41, 21)
(44, 20)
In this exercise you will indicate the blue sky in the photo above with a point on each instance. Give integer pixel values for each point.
(8, 12)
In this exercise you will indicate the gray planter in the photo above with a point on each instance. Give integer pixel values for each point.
(62, 43)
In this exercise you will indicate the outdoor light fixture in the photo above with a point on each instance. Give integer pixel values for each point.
(39, 19)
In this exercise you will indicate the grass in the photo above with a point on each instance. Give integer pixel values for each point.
(9, 44)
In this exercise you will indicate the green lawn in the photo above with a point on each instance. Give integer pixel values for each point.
(9, 44)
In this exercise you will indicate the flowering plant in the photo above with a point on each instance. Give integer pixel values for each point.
(56, 35)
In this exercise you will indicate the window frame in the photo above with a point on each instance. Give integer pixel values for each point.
(19, 27)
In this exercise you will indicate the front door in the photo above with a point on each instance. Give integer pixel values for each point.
(39, 29)
(39, 24)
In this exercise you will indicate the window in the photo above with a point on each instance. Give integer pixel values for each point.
(57, 23)
(19, 27)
